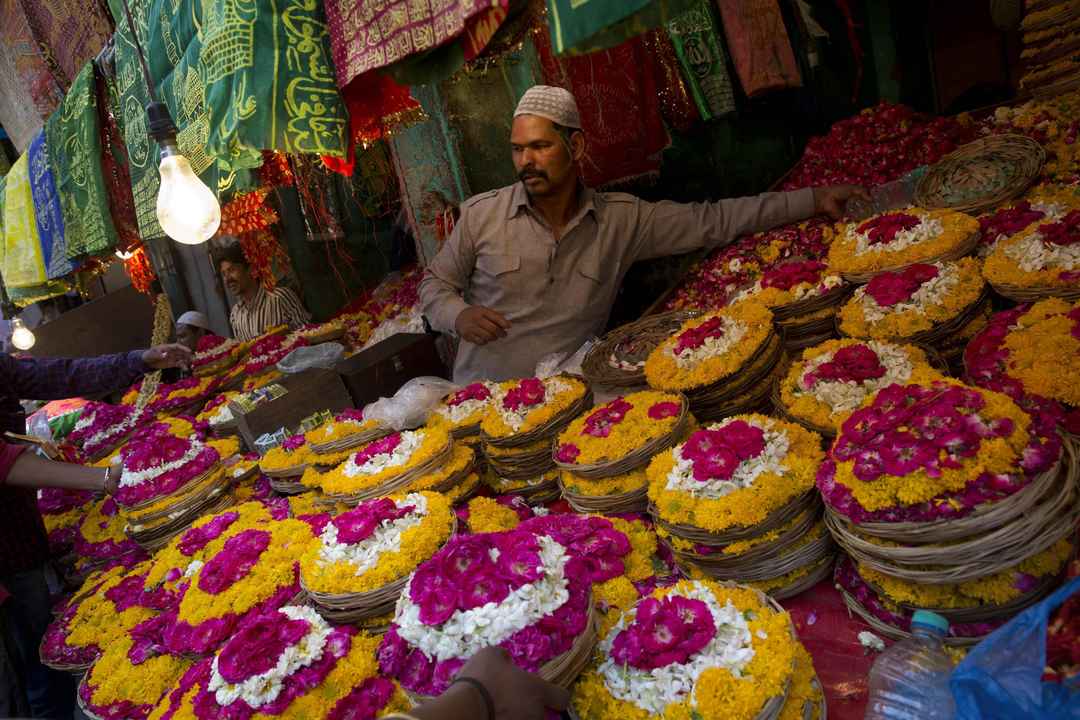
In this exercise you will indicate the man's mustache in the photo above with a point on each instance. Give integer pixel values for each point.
(531, 174)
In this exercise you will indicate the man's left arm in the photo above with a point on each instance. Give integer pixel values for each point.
(670, 228)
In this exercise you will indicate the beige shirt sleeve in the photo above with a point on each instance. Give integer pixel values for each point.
(447, 278)
(670, 228)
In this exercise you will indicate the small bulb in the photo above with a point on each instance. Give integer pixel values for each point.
(125, 254)
(188, 211)
(21, 336)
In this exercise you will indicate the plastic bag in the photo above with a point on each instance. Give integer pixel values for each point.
(1002, 676)
(559, 363)
(411, 404)
(412, 323)
(324, 355)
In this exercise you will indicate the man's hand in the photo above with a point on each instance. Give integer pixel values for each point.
(160, 357)
(514, 692)
(831, 200)
(481, 325)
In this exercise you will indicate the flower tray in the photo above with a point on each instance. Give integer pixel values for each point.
(962, 249)
(146, 511)
(628, 346)
(397, 482)
(941, 332)
(1032, 531)
(549, 429)
(294, 471)
(351, 441)
(981, 174)
(793, 312)
(82, 703)
(797, 336)
(764, 569)
(896, 633)
(522, 466)
(534, 494)
(636, 501)
(466, 431)
(457, 479)
(152, 542)
(823, 570)
(758, 554)
(1034, 293)
(779, 517)
(636, 458)
(288, 486)
(75, 669)
(324, 335)
(746, 389)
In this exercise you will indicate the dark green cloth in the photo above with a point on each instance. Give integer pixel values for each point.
(584, 26)
(696, 38)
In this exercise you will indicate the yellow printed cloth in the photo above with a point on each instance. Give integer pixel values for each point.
(22, 264)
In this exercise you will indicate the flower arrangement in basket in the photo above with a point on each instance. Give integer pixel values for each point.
(270, 348)
(700, 649)
(522, 421)
(386, 465)
(286, 662)
(736, 502)
(803, 296)
(1042, 261)
(255, 570)
(218, 415)
(939, 483)
(284, 464)
(63, 511)
(456, 480)
(107, 605)
(215, 354)
(101, 535)
(923, 303)
(1032, 354)
(345, 431)
(132, 675)
(101, 427)
(829, 382)
(1008, 222)
(975, 608)
(318, 333)
(463, 410)
(614, 443)
(176, 398)
(166, 482)
(524, 591)
(893, 240)
(721, 361)
(618, 359)
(364, 556)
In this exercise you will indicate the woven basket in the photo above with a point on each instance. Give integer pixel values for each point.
(983, 519)
(523, 467)
(1052, 89)
(636, 501)
(1032, 294)
(293, 471)
(158, 537)
(631, 343)
(539, 494)
(351, 441)
(398, 482)
(896, 633)
(793, 311)
(549, 429)
(962, 249)
(942, 332)
(765, 551)
(82, 704)
(981, 174)
(76, 670)
(781, 516)
(756, 399)
(328, 335)
(827, 434)
(289, 486)
(770, 568)
(635, 458)
(820, 572)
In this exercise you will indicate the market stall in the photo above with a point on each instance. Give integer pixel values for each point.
(724, 509)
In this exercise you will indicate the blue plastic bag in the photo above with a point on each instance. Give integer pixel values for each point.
(1001, 678)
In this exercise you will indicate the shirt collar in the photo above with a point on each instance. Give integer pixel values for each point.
(519, 200)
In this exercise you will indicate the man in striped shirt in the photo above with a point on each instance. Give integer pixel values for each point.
(257, 309)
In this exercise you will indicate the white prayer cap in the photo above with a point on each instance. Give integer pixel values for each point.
(194, 319)
(553, 103)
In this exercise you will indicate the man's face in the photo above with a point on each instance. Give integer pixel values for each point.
(188, 335)
(237, 278)
(542, 160)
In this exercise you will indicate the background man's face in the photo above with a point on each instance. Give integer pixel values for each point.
(541, 158)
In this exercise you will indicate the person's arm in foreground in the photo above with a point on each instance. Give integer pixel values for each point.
(508, 692)
(59, 378)
(24, 469)
(670, 228)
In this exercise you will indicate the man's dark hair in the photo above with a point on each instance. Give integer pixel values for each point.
(231, 253)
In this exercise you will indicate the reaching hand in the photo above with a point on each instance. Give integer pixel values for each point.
(831, 200)
(514, 692)
(160, 357)
(481, 325)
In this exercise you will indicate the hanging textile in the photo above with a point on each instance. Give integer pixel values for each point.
(701, 54)
(28, 91)
(73, 137)
(69, 33)
(428, 165)
(238, 76)
(759, 45)
(114, 171)
(676, 105)
(22, 265)
(583, 26)
(371, 34)
(47, 212)
(319, 201)
(376, 105)
(616, 92)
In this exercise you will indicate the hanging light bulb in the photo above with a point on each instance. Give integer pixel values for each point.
(188, 211)
(21, 336)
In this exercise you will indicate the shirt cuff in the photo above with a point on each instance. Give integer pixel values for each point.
(136, 363)
(802, 203)
(444, 317)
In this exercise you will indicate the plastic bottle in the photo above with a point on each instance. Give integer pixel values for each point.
(889, 196)
(910, 680)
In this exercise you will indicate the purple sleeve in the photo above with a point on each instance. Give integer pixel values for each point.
(59, 378)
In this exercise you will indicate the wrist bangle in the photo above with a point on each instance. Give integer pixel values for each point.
(489, 703)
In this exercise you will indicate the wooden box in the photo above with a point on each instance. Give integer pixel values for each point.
(382, 369)
(309, 392)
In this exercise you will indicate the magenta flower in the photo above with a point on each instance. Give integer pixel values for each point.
(482, 588)
(600, 422)
(529, 392)
(1064, 232)
(567, 453)
(292, 443)
(384, 446)
(257, 646)
(392, 653)
(354, 414)
(195, 539)
(890, 288)
(787, 275)
(364, 702)
(665, 631)
(475, 391)
(884, 228)
(465, 556)
(234, 562)
(358, 524)
(664, 410)
(853, 363)
(695, 337)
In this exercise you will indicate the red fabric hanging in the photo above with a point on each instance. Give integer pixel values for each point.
(759, 45)
(375, 103)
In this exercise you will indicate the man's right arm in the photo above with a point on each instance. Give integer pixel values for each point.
(59, 378)
(446, 279)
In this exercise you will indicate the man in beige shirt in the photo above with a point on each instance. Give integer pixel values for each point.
(533, 268)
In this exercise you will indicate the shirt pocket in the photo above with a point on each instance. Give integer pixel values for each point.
(497, 283)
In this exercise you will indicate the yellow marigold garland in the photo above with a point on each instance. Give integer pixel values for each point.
(418, 543)
(745, 507)
(278, 458)
(100, 528)
(114, 679)
(956, 229)
(487, 516)
(615, 485)
(804, 689)
(636, 428)
(1002, 267)
(335, 482)
(901, 324)
(494, 426)
(1043, 353)
(664, 373)
(66, 519)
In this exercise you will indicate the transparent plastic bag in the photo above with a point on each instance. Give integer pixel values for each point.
(1001, 678)
(410, 323)
(411, 404)
(324, 355)
(561, 363)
